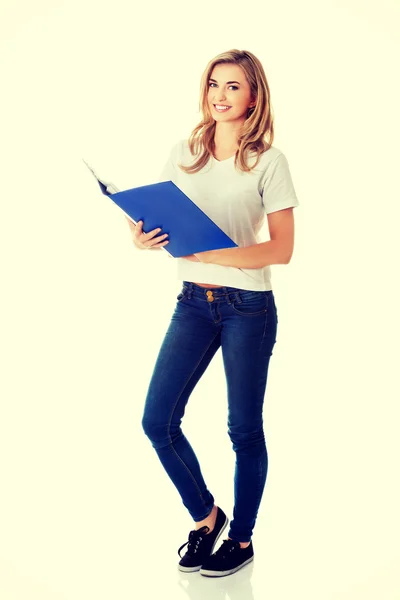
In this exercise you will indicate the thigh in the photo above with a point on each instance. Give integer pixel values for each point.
(247, 342)
(187, 349)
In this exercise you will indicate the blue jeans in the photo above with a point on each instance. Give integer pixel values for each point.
(244, 324)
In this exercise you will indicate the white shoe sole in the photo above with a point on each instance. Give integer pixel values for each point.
(209, 573)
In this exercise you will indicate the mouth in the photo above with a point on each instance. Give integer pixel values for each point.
(221, 107)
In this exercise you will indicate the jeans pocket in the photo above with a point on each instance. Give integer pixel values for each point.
(251, 305)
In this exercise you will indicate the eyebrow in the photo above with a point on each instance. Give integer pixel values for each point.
(215, 81)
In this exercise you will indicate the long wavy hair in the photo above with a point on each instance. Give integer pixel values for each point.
(257, 133)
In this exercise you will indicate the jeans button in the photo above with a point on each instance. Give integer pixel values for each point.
(210, 296)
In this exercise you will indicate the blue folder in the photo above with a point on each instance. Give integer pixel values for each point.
(164, 205)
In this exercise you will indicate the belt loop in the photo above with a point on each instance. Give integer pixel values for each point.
(226, 294)
(190, 292)
(238, 297)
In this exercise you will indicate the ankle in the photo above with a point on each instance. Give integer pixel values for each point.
(242, 544)
(208, 521)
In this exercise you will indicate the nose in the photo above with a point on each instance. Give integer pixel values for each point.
(220, 97)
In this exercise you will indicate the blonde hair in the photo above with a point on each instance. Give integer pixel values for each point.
(257, 127)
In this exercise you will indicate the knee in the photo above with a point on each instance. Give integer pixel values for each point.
(160, 433)
(247, 442)
(153, 430)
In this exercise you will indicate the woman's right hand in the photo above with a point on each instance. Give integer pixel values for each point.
(146, 241)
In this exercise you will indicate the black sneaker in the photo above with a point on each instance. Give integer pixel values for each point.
(228, 559)
(201, 544)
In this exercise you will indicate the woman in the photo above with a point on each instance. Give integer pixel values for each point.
(236, 177)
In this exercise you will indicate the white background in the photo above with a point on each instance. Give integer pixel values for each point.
(86, 510)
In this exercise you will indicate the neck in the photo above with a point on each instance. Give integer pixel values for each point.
(226, 135)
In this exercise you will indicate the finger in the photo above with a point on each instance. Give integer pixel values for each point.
(138, 229)
(152, 233)
(159, 244)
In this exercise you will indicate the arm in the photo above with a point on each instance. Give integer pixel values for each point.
(250, 257)
(277, 251)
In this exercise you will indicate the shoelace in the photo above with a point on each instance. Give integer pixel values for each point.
(194, 540)
(226, 548)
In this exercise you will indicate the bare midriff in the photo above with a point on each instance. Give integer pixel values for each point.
(207, 285)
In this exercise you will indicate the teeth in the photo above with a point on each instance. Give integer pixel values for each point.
(220, 107)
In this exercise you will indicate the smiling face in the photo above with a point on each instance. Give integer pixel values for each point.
(229, 87)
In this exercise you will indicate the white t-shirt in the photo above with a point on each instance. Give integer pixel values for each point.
(237, 202)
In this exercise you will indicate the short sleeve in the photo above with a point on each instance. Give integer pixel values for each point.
(277, 186)
(169, 171)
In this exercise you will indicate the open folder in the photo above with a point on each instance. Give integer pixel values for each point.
(164, 205)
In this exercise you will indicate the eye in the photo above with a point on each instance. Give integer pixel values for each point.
(231, 86)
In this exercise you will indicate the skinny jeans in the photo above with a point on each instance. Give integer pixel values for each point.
(244, 324)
